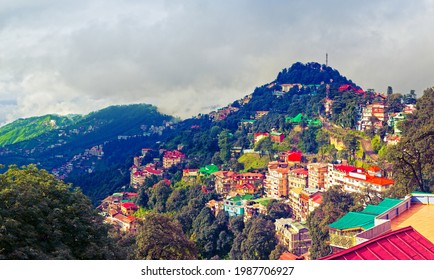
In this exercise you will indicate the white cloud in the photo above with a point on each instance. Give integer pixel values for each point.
(188, 56)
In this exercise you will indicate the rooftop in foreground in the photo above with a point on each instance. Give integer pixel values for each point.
(401, 244)
(420, 217)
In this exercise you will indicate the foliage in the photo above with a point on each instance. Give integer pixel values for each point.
(255, 242)
(161, 238)
(336, 203)
(310, 74)
(277, 252)
(376, 143)
(308, 143)
(413, 156)
(224, 145)
(253, 161)
(212, 235)
(44, 218)
(158, 196)
(277, 210)
(29, 128)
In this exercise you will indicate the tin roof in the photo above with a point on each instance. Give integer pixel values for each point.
(402, 244)
(354, 220)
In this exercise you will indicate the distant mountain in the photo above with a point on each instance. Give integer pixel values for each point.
(27, 129)
(53, 141)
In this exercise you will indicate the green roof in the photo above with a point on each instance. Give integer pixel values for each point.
(314, 122)
(297, 118)
(389, 202)
(209, 169)
(418, 192)
(117, 194)
(374, 209)
(242, 197)
(354, 220)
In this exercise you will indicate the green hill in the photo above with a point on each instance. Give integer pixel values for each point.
(29, 128)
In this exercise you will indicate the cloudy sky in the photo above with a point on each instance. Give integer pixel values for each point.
(186, 57)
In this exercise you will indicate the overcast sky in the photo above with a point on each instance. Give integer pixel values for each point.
(188, 57)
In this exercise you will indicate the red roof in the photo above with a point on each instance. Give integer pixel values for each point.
(345, 168)
(287, 256)
(124, 218)
(374, 168)
(173, 154)
(345, 87)
(317, 198)
(295, 156)
(402, 244)
(380, 181)
(130, 194)
(129, 205)
(153, 171)
(300, 171)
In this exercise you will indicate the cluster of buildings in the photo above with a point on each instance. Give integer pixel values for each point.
(118, 210)
(222, 113)
(375, 114)
(139, 172)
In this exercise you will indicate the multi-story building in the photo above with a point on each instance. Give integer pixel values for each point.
(373, 115)
(171, 158)
(235, 206)
(294, 202)
(379, 111)
(276, 182)
(241, 183)
(223, 181)
(317, 175)
(336, 174)
(305, 203)
(140, 173)
(362, 182)
(297, 178)
(293, 235)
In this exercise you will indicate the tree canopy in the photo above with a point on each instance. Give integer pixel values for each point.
(41, 217)
(336, 203)
(413, 156)
(161, 238)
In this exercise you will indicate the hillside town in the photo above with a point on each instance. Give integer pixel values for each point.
(294, 179)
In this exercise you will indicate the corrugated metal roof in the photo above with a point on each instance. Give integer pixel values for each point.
(389, 202)
(353, 220)
(401, 244)
(374, 209)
